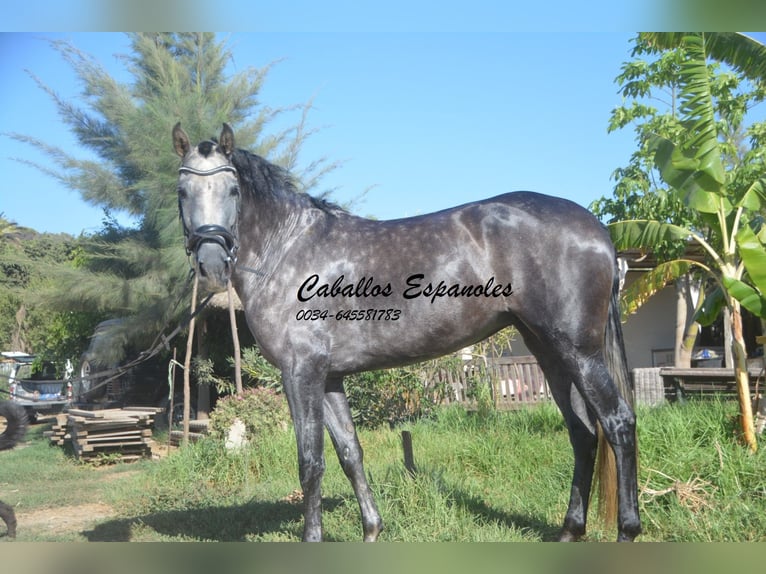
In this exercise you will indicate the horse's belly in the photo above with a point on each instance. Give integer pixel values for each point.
(409, 338)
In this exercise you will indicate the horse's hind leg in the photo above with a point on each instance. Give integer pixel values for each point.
(582, 436)
(595, 395)
(618, 423)
(584, 391)
(341, 428)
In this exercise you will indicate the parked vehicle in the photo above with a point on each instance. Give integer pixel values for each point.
(39, 392)
(102, 380)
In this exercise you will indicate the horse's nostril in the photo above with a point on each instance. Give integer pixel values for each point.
(213, 265)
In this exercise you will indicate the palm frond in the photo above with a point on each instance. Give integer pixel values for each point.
(651, 282)
(645, 234)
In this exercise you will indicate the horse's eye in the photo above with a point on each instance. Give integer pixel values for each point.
(182, 194)
(234, 191)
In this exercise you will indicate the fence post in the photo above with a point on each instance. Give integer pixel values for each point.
(409, 461)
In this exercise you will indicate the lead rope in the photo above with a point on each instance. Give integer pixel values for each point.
(187, 365)
(187, 360)
(235, 340)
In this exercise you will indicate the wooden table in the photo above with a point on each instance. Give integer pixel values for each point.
(680, 382)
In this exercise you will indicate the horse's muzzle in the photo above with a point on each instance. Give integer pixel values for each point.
(215, 253)
(214, 267)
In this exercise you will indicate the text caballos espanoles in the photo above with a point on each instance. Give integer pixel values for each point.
(415, 286)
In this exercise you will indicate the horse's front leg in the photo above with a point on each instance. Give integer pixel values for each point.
(9, 517)
(305, 394)
(341, 427)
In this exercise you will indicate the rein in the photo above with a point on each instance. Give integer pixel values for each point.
(189, 346)
(229, 243)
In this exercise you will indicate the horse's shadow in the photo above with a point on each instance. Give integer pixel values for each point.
(535, 525)
(214, 523)
(253, 520)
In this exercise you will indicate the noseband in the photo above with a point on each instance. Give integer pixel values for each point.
(210, 233)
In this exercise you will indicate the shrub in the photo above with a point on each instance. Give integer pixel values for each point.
(258, 369)
(260, 409)
(391, 396)
(256, 372)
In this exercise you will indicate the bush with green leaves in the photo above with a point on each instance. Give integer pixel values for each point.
(258, 370)
(391, 396)
(260, 409)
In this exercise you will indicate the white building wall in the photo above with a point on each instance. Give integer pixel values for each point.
(650, 332)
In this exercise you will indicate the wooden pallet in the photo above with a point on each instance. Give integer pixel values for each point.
(123, 434)
(58, 433)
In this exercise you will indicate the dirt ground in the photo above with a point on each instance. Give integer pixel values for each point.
(63, 520)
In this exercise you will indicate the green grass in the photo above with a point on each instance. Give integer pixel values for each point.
(35, 475)
(721, 495)
(501, 478)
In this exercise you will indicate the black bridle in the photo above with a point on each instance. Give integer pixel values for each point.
(210, 233)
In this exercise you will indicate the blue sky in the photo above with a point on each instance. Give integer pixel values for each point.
(427, 120)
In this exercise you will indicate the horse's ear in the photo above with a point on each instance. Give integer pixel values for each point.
(180, 140)
(226, 141)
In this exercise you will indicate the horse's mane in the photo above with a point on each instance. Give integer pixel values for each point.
(263, 177)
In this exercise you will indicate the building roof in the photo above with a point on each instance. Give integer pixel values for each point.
(644, 260)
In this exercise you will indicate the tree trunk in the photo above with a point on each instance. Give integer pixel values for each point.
(743, 381)
(728, 337)
(687, 330)
(682, 311)
(17, 341)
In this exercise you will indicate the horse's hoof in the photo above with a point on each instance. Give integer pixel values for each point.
(569, 536)
(371, 532)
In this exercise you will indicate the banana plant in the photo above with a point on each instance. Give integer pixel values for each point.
(734, 234)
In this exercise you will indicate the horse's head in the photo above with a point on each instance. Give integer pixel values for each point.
(208, 200)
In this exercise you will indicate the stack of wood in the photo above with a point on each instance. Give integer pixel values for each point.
(125, 433)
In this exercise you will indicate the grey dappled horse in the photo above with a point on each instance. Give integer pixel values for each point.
(327, 293)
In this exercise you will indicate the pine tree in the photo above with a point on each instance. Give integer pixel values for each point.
(139, 273)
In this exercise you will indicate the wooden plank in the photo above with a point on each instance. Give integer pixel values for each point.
(106, 424)
(121, 445)
(148, 410)
(112, 436)
(86, 414)
(409, 460)
(705, 373)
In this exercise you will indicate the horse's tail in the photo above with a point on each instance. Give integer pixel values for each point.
(617, 363)
(15, 424)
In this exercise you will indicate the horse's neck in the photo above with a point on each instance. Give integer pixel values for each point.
(269, 225)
